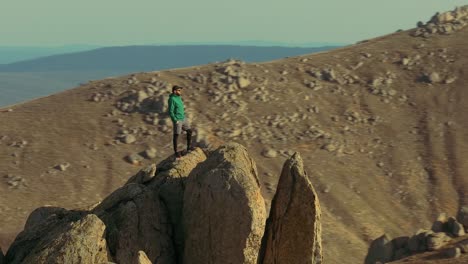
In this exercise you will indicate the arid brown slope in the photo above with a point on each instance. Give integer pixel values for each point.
(387, 149)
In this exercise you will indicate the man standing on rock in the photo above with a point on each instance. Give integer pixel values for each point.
(177, 113)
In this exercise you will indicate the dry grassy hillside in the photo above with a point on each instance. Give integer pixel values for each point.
(383, 141)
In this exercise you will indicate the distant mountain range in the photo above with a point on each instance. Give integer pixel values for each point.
(25, 80)
(10, 54)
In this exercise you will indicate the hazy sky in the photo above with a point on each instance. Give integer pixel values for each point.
(124, 22)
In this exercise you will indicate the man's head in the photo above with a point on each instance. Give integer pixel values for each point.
(177, 90)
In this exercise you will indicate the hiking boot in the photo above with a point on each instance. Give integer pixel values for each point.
(190, 149)
(178, 155)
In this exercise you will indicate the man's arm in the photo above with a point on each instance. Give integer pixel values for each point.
(172, 110)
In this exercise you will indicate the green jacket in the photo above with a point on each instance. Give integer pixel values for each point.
(176, 108)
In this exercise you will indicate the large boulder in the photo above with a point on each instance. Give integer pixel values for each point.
(75, 238)
(223, 212)
(437, 240)
(380, 250)
(293, 230)
(463, 216)
(455, 228)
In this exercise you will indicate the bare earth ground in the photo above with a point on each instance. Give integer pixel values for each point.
(381, 164)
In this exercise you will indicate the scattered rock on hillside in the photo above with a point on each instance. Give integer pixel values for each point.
(134, 158)
(443, 23)
(432, 77)
(440, 224)
(464, 246)
(269, 153)
(463, 216)
(150, 153)
(453, 252)
(15, 181)
(417, 243)
(227, 179)
(293, 230)
(436, 241)
(443, 230)
(381, 249)
(63, 166)
(128, 139)
(455, 228)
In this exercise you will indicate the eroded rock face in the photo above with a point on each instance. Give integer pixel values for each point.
(293, 230)
(62, 241)
(224, 212)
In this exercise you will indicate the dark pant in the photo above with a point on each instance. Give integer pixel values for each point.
(189, 140)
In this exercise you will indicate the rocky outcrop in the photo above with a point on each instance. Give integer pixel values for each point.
(443, 229)
(66, 241)
(195, 210)
(443, 23)
(224, 213)
(293, 230)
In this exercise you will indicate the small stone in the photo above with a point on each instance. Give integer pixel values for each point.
(450, 80)
(405, 61)
(330, 147)
(243, 82)
(433, 77)
(454, 252)
(270, 153)
(134, 159)
(464, 246)
(392, 92)
(63, 167)
(463, 216)
(128, 139)
(150, 153)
